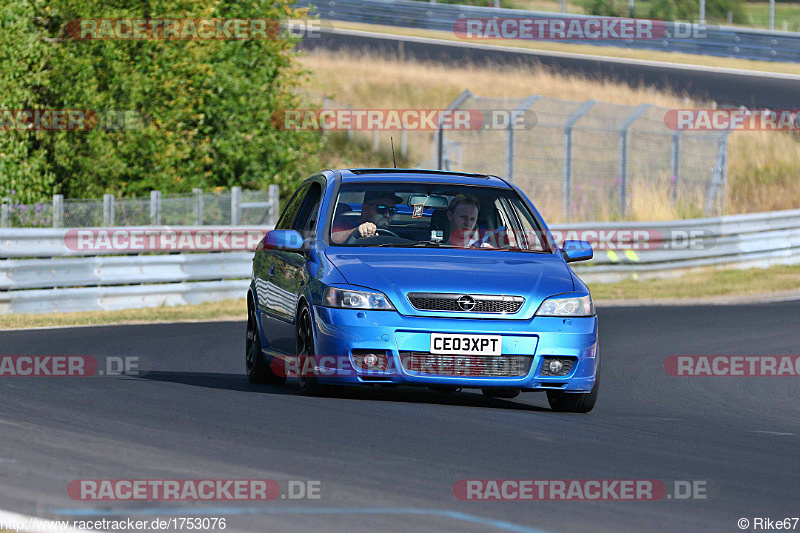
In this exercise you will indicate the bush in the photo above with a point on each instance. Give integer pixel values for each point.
(207, 103)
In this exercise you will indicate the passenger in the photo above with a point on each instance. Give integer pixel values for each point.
(463, 216)
(377, 211)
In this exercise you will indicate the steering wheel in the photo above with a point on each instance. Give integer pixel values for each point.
(489, 235)
(380, 231)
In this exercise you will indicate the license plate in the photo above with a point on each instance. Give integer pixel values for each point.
(447, 343)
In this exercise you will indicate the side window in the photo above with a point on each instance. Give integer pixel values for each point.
(292, 209)
(307, 221)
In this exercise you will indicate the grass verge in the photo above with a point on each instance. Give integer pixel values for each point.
(705, 283)
(222, 310)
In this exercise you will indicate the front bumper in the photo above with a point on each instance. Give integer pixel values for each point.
(338, 332)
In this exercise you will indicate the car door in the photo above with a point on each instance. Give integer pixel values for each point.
(273, 291)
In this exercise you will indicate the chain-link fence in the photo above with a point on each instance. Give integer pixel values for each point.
(199, 208)
(585, 161)
(577, 161)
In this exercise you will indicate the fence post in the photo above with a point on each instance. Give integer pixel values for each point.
(58, 210)
(108, 210)
(236, 202)
(350, 129)
(623, 155)
(676, 166)
(155, 208)
(5, 212)
(718, 181)
(198, 206)
(326, 103)
(566, 184)
(440, 128)
(274, 204)
(509, 152)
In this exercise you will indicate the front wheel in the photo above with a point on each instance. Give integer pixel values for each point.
(309, 384)
(258, 371)
(567, 402)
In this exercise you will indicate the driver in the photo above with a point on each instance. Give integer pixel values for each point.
(377, 211)
(463, 216)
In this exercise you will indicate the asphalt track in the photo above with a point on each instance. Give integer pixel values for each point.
(387, 460)
(725, 86)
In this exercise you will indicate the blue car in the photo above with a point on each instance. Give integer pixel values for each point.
(439, 279)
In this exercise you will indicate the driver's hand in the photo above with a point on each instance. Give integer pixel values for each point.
(367, 229)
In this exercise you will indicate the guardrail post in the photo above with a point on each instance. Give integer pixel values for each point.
(58, 210)
(5, 212)
(509, 155)
(566, 184)
(108, 209)
(236, 201)
(675, 157)
(274, 204)
(623, 155)
(155, 208)
(440, 128)
(198, 206)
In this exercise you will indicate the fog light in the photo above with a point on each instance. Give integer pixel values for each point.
(370, 360)
(555, 366)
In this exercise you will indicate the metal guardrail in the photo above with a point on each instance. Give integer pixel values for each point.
(32, 284)
(719, 41)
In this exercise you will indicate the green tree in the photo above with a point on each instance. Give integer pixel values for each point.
(207, 103)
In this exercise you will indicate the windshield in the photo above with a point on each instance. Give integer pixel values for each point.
(434, 215)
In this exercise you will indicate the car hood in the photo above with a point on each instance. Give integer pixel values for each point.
(398, 271)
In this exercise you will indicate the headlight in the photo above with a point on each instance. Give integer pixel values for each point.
(348, 299)
(564, 305)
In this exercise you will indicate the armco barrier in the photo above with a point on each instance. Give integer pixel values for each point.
(38, 273)
(712, 40)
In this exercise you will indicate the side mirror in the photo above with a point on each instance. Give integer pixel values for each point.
(576, 251)
(287, 240)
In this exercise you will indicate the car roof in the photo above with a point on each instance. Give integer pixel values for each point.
(355, 175)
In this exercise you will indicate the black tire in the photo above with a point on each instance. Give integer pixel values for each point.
(258, 371)
(566, 402)
(309, 385)
(504, 393)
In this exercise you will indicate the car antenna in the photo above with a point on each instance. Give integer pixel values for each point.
(393, 159)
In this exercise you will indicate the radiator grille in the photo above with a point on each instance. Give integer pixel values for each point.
(475, 303)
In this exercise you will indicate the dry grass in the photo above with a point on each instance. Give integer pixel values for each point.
(705, 282)
(222, 310)
(762, 169)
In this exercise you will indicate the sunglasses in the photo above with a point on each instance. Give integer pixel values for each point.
(384, 209)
